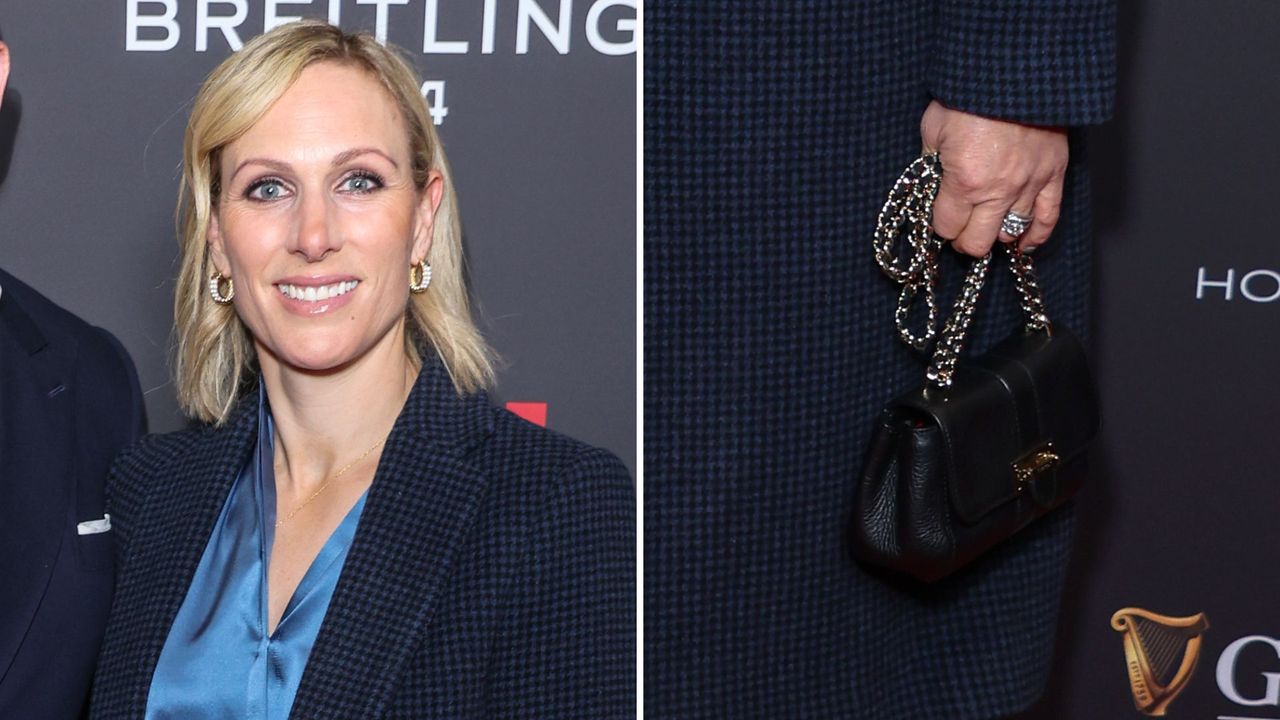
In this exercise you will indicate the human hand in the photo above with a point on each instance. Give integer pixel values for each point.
(991, 167)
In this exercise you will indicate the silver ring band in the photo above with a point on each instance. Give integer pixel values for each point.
(1014, 224)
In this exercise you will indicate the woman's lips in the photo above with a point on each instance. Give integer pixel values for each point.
(312, 293)
(315, 296)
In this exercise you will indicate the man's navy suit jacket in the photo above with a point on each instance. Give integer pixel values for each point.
(69, 401)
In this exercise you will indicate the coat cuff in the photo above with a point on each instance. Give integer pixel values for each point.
(1039, 62)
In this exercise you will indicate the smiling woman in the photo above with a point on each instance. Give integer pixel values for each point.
(301, 102)
(320, 216)
(353, 530)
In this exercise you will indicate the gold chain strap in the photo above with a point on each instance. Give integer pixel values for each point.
(908, 213)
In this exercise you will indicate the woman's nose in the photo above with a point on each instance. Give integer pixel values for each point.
(316, 236)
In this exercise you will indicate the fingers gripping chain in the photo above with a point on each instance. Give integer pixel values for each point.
(908, 213)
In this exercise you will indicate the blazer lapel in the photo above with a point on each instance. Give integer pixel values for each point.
(419, 507)
(170, 537)
(35, 454)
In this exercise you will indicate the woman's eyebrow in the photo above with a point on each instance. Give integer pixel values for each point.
(341, 158)
(276, 165)
(349, 155)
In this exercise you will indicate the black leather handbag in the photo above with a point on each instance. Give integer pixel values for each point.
(987, 444)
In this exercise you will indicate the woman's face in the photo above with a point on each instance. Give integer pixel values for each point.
(318, 221)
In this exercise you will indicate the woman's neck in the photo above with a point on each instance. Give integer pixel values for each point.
(326, 420)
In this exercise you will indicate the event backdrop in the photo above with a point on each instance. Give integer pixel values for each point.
(1181, 517)
(535, 102)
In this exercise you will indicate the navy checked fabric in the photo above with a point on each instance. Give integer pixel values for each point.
(492, 574)
(773, 131)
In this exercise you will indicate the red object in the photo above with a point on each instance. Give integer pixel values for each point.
(534, 412)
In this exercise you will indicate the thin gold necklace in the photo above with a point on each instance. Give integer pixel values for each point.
(328, 482)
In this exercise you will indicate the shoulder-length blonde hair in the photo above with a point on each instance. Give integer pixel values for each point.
(215, 355)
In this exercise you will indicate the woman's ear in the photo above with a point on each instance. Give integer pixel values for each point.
(428, 207)
(217, 249)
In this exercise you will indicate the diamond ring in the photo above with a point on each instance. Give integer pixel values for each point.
(1014, 224)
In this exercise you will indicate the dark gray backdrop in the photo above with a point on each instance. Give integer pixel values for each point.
(541, 136)
(1182, 517)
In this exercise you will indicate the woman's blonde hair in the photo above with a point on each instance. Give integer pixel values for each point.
(215, 356)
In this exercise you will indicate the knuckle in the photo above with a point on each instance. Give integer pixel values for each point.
(971, 247)
(967, 186)
(947, 223)
(1049, 215)
(1007, 185)
(1050, 182)
(967, 181)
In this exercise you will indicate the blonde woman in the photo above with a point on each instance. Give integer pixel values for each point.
(353, 531)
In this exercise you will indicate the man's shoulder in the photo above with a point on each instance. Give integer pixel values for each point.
(57, 326)
(45, 313)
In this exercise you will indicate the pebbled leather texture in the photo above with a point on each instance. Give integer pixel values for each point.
(938, 487)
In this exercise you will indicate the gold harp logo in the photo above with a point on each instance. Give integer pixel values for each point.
(1161, 653)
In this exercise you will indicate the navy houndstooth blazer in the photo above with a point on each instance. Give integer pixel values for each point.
(491, 576)
(773, 131)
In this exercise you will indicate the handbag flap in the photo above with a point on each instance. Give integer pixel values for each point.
(1061, 386)
(1030, 391)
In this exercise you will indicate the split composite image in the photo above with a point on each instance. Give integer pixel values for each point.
(869, 359)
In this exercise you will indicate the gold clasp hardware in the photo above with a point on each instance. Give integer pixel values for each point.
(1034, 463)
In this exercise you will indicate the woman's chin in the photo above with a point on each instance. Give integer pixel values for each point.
(316, 349)
(318, 360)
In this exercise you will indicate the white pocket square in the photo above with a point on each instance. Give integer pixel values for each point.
(93, 527)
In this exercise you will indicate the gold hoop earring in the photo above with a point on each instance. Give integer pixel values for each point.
(419, 277)
(215, 288)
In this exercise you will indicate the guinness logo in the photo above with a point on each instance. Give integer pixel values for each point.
(1161, 654)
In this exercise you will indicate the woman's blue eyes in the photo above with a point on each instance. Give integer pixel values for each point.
(362, 183)
(268, 189)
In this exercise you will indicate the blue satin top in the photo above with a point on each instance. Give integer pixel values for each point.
(219, 661)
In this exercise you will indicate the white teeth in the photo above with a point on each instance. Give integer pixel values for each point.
(312, 293)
